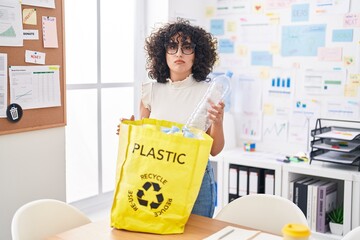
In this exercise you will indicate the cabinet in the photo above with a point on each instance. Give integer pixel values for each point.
(347, 177)
(337, 144)
(348, 184)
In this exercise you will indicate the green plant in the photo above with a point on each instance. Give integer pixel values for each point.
(336, 215)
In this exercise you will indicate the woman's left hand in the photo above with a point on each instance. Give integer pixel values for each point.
(216, 113)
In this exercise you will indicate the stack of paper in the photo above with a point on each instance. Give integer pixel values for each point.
(234, 233)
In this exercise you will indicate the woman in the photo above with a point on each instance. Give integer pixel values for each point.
(180, 57)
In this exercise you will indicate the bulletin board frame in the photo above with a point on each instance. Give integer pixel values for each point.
(39, 118)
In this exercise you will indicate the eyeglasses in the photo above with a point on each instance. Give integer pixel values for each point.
(186, 48)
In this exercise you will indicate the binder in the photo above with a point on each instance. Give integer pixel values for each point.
(243, 181)
(256, 180)
(302, 195)
(296, 188)
(233, 182)
(269, 181)
(291, 191)
(310, 201)
(314, 205)
(327, 197)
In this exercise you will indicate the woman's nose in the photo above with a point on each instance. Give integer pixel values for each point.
(179, 51)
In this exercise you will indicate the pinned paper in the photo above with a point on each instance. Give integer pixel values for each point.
(242, 50)
(34, 57)
(329, 54)
(348, 60)
(268, 109)
(274, 48)
(209, 12)
(352, 20)
(29, 34)
(231, 26)
(217, 26)
(300, 12)
(264, 73)
(354, 79)
(274, 18)
(49, 32)
(29, 16)
(350, 90)
(342, 35)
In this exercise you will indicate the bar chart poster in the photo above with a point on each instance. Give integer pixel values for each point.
(250, 125)
(281, 83)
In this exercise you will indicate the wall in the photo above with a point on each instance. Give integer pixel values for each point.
(32, 166)
(289, 40)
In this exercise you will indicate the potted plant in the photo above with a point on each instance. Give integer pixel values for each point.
(336, 220)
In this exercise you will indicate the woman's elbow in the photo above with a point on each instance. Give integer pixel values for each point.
(216, 150)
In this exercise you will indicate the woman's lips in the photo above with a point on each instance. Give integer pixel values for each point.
(179, 61)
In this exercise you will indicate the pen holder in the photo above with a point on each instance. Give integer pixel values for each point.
(294, 231)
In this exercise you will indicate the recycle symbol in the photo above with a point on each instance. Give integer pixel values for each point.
(142, 198)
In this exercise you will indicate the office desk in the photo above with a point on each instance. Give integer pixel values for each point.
(197, 227)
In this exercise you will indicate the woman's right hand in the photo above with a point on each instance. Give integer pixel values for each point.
(132, 118)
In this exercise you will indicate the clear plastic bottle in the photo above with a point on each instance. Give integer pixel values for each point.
(217, 91)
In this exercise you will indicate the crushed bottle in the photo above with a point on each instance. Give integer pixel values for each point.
(216, 92)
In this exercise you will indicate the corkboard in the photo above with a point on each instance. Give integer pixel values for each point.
(40, 118)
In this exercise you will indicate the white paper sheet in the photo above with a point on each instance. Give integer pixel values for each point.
(234, 233)
(3, 84)
(40, 3)
(10, 24)
(35, 86)
(49, 32)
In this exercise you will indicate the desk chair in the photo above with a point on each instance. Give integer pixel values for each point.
(353, 234)
(264, 212)
(41, 218)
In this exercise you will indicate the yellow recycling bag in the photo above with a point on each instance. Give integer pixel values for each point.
(158, 176)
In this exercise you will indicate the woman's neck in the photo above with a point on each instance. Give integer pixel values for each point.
(176, 77)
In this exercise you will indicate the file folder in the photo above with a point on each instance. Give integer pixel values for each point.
(301, 194)
(269, 181)
(256, 180)
(233, 182)
(243, 181)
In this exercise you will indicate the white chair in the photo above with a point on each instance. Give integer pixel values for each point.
(353, 234)
(45, 217)
(264, 212)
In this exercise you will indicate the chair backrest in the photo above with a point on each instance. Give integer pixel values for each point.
(45, 217)
(269, 213)
(353, 234)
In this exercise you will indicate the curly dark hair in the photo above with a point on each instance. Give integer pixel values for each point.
(205, 50)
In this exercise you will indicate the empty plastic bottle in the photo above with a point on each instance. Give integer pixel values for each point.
(217, 91)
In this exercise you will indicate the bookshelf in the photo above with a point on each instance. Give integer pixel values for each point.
(347, 177)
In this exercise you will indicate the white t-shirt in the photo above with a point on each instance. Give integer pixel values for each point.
(173, 101)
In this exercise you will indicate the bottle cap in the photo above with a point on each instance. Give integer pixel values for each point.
(296, 230)
(229, 73)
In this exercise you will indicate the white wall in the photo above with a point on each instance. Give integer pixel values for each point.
(32, 166)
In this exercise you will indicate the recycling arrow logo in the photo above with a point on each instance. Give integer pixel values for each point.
(146, 190)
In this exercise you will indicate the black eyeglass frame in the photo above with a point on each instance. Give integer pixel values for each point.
(193, 45)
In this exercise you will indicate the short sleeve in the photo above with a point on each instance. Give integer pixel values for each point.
(146, 94)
